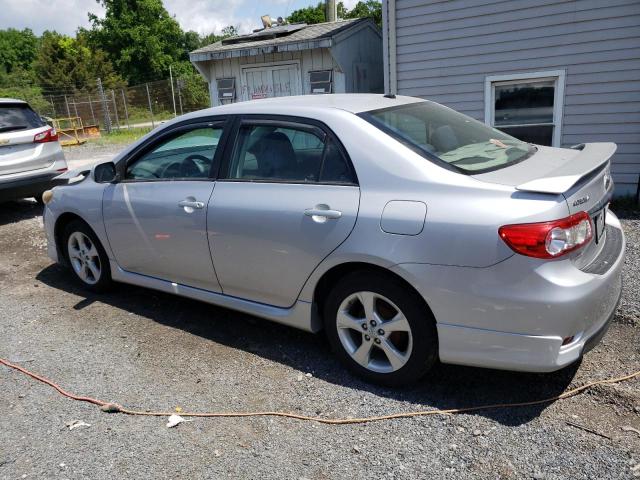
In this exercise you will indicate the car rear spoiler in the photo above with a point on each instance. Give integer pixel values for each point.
(591, 157)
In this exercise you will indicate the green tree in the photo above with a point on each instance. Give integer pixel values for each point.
(193, 88)
(204, 40)
(308, 15)
(140, 38)
(368, 8)
(363, 9)
(192, 41)
(18, 49)
(68, 64)
(229, 31)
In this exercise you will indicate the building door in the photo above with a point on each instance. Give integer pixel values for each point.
(272, 81)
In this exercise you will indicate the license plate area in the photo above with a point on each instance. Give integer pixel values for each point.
(599, 222)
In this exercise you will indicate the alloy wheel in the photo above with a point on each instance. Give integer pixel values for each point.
(374, 332)
(84, 258)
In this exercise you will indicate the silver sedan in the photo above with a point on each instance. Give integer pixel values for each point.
(406, 231)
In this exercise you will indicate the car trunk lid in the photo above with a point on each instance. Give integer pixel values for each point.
(19, 153)
(18, 126)
(580, 174)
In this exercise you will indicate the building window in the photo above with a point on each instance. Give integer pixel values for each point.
(321, 81)
(226, 89)
(527, 106)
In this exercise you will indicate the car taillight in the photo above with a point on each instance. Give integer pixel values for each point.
(549, 239)
(47, 136)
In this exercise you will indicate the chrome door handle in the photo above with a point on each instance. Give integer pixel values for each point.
(321, 212)
(191, 204)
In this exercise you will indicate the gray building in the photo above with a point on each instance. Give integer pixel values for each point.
(343, 56)
(555, 72)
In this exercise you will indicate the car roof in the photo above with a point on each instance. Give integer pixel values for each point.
(350, 102)
(11, 100)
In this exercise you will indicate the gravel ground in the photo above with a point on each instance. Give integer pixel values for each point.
(150, 350)
(88, 153)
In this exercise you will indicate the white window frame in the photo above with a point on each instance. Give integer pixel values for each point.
(558, 76)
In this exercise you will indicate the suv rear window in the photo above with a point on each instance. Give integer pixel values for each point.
(450, 138)
(18, 116)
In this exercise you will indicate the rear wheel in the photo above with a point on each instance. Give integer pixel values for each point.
(86, 256)
(379, 329)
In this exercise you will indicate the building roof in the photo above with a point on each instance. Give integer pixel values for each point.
(306, 37)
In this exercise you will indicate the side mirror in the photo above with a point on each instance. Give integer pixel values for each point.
(105, 173)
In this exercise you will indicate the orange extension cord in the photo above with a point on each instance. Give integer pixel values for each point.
(115, 408)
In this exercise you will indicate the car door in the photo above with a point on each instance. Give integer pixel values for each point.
(156, 216)
(286, 197)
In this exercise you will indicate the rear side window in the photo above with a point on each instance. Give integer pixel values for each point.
(18, 116)
(439, 133)
(288, 154)
(335, 168)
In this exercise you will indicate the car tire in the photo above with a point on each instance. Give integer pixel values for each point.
(393, 341)
(86, 257)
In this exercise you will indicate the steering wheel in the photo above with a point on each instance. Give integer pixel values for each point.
(184, 169)
(144, 169)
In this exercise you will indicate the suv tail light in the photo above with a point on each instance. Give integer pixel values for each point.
(549, 239)
(47, 136)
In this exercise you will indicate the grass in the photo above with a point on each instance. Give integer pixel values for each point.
(123, 135)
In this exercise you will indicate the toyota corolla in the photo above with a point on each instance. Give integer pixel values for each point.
(406, 231)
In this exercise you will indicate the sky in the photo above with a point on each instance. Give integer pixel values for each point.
(203, 16)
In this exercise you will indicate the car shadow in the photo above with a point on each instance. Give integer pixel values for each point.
(628, 213)
(445, 387)
(18, 210)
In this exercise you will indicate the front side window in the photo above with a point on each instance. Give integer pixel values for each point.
(287, 154)
(186, 155)
(438, 132)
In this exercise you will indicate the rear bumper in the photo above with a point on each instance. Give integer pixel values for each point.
(32, 182)
(26, 187)
(508, 351)
(515, 315)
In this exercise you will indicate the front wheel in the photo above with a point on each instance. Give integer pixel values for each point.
(86, 256)
(380, 329)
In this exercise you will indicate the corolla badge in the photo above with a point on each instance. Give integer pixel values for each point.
(581, 200)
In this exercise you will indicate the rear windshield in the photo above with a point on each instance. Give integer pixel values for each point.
(18, 117)
(444, 135)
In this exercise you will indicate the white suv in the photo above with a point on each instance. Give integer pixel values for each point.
(30, 154)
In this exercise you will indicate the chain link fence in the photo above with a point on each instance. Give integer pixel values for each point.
(138, 106)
